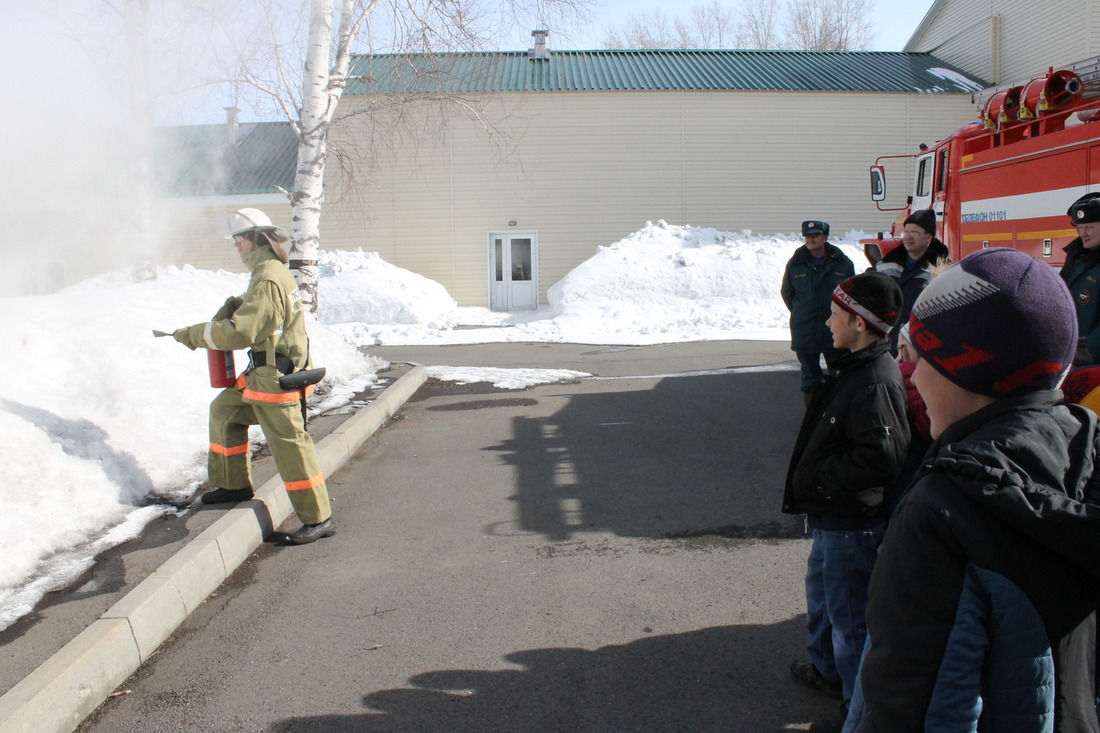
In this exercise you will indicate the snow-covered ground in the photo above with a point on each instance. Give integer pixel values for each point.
(103, 427)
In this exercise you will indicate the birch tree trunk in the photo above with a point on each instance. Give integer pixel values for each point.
(308, 193)
(322, 87)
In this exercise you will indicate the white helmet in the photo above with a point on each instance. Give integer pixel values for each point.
(245, 220)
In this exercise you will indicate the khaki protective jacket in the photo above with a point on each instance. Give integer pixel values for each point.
(270, 319)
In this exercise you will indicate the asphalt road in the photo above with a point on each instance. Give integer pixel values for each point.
(600, 555)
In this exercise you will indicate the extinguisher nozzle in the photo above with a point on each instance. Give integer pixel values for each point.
(157, 334)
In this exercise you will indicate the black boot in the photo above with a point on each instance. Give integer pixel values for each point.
(223, 496)
(312, 532)
(831, 725)
(808, 674)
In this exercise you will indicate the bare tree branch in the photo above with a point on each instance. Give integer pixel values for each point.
(829, 25)
(819, 25)
(759, 24)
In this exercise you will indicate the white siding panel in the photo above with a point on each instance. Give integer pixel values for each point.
(1009, 41)
(960, 34)
(1036, 36)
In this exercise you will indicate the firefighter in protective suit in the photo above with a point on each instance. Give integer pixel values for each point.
(269, 320)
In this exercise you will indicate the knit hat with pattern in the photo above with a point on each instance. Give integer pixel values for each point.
(873, 296)
(998, 323)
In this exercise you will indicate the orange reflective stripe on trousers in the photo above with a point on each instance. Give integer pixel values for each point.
(309, 483)
(234, 451)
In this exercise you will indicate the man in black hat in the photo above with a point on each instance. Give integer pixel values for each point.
(912, 265)
(811, 274)
(1081, 274)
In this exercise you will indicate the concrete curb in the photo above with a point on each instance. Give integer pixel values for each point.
(67, 687)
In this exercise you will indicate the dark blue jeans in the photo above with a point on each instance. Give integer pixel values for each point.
(837, 575)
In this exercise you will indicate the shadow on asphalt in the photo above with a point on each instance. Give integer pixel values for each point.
(727, 678)
(604, 462)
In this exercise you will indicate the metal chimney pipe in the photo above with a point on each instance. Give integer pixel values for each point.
(540, 50)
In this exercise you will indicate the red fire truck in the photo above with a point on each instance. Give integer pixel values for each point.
(1007, 179)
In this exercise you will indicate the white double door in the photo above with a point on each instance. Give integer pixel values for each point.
(513, 271)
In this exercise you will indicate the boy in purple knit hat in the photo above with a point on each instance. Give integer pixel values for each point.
(982, 606)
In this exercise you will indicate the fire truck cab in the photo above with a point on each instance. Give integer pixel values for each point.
(1007, 179)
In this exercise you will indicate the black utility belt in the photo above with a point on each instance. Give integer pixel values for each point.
(292, 380)
(259, 359)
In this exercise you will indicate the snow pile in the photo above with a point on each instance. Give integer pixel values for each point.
(503, 378)
(672, 283)
(362, 287)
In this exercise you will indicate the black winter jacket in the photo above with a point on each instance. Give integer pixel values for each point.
(852, 441)
(807, 290)
(981, 612)
(912, 282)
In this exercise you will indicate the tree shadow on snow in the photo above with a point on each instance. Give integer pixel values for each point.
(87, 441)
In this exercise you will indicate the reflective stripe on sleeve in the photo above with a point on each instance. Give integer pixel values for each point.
(309, 483)
(208, 334)
(223, 451)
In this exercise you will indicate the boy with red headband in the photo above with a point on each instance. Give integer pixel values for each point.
(851, 446)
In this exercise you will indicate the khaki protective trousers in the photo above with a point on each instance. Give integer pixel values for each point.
(230, 466)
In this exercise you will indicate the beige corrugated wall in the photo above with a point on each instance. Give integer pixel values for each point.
(587, 169)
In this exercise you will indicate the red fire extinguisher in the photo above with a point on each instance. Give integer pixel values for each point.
(223, 371)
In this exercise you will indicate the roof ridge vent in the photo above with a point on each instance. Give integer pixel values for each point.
(540, 51)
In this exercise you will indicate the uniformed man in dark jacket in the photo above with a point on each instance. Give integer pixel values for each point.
(1081, 273)
(811, 274)
(851, 446)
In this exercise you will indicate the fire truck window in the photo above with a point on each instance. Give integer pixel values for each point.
(941, 178)
(924, 177)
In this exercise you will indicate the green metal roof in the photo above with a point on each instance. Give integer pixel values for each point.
(649, 70)
(198, 160)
